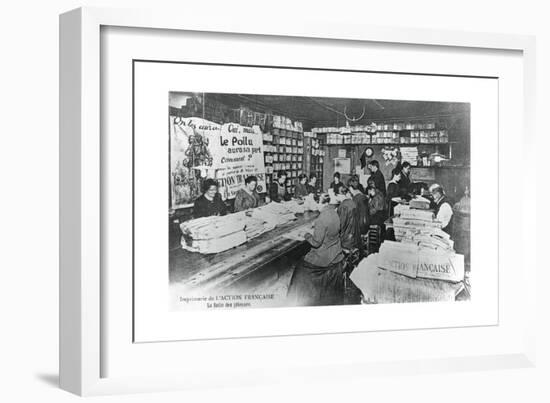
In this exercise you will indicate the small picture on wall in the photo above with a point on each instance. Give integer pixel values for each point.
(342, 165)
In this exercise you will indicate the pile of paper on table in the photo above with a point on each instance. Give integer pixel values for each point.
(297, 207)
(214, 234)
(310, 204)
(273, 215)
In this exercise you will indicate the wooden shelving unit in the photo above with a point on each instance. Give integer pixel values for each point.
(317, 160)
(285, 153)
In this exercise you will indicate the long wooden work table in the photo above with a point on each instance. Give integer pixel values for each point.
(224, 269)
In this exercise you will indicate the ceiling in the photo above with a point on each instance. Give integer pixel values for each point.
(316, 111)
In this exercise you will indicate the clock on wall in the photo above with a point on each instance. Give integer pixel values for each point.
(369, 152)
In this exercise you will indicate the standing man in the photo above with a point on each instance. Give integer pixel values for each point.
(361, 204)
(442, 208)
(377, 176)
(394, 189)
(405, 181)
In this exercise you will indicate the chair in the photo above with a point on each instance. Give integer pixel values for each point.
(373, 239)
(352, 294)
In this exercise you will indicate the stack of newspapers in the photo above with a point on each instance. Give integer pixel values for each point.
(214, 234)
(419, 227)
(219, 233)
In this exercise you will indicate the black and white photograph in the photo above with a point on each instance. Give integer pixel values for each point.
(295, 201)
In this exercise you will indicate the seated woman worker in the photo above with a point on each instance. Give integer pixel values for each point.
(247, 197)
(312, 185)
(277, 189)
(210, 202)
(350, 231)
(376, 205)
(301, 190)
(336, 184)
(318, 278)
(361, 204)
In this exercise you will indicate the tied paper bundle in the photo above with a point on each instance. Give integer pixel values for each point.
(420, 228)
(398, 258)
(428, 237)
(384, 286)
(416, 214)
(214, 226)
(214, 234)
(414, 261)
(411, 221)
(419, 203)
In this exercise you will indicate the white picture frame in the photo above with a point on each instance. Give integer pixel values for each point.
(81, 243)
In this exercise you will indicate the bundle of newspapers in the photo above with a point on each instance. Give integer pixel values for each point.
(422, 248)
(419, 227)
(216, 234)
(416, 261)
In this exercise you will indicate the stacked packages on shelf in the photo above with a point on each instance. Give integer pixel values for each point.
(219, 233)
(409, 154)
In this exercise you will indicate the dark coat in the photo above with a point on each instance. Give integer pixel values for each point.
(274, 193)
(311, 189)
(301, 190)
(379, 181)
(336, 187)
(245, 200)
(362, 205)
(318, 278)
(205, 208)
(405, 184)
(325, 241)
(394, 190)
(377, 209)
(350, 233)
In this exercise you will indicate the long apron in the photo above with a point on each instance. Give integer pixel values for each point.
(312, 285)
